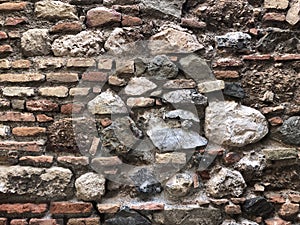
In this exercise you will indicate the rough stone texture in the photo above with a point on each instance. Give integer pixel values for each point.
(171, 40)
(187, 97)
(18, 91)
(107, 103)
(161, 67)
(90, 187)
(226, 182)
(85, 43)
(234, 90)
(179, 185)
(127, 217)
(258, 206)
(293, 15)
(272, 4)
(139, 86)
(55, 10)
(102, 16)
(191, 215)
(211, 86)
(53, 183)
(182, 115)
(35, 42)
(4, 130)
(290, 131)
(171, 8)
(236, 40)
(228, 123)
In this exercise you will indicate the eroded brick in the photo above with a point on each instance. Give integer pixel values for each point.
(41, 105)
(10, 116)
(28, 131)
(71, 208)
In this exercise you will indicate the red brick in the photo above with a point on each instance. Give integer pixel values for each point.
(192, 23)
(62, 77)
(21, 64)
(257, 57)
(233, 209)
(22, 209)
(274, 17)
(275, 121)
(277, 221)
(72, 108)
(28, 131)
(21, 78)
(14, 21)
(3, 221)
(71, 208)
(41, 105)
(95, 76)
(287, 57)
(19, 222)
(275, 198)
(66, 27)
(150, 206)
(5, 49)
(105, 122)
(228, 62)
(131, 21)
(109, 208)
(16, 117)
(21, 146)
(253, 31)
(275, 109)
(73, 160)
(42, 118)
(42, 222)
(84, 221)
(80, 62)
(3, 35)
(44, 161)
(13, 6)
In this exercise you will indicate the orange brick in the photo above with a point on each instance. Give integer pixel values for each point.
(28, 131)
(71, 208)
(13, 6)
(21, 64)
(22, 209)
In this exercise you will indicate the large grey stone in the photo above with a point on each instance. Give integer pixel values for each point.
(174, 41)
(139, 86)
(30, 184)
(162, 67)
(226, 182)
(191, 215)
(35, 42)
(182, 115)
(90, 187)
(172, 7)
(293, 15)
(186, 96)
(290, 131)
(107, 103)
(231, 124)
(55, 10)
(86, 43)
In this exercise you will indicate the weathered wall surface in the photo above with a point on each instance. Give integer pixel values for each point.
(217, 115)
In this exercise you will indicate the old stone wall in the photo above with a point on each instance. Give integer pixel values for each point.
(149, 112)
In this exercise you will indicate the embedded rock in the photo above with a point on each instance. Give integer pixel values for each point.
(161, 67)
(128, 217)
(290, 131)
(251, 165)
(171, 8)
(85, 43)
(101, 16)
(139, 86)
(179, 185)
(228, 123)
(293, 15)
(35, 42)
(236, 40)
(234, 90)
(191, 215)
(185, 96)
(46, 184)
(182, 115)
(55, 10)
(258, 206)
(226, 182)
(174, 41)
(107, 103)
(4, 130)
(90, 187)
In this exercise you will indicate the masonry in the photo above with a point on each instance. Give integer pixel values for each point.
(149, 112)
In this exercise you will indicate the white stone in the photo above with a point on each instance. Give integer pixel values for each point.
(139, 86)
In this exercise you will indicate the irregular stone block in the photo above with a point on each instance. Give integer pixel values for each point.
(237, 40)
(139, 86)
(290, 131)
(102, 16)
(171, 8)
(47, 184)
(258, 206)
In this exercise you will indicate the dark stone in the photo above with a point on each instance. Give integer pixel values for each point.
(258, 206)
(146, 182)
(128, 217)
(236, 40)
(290, 131)
(162, 67)
(234, 90)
